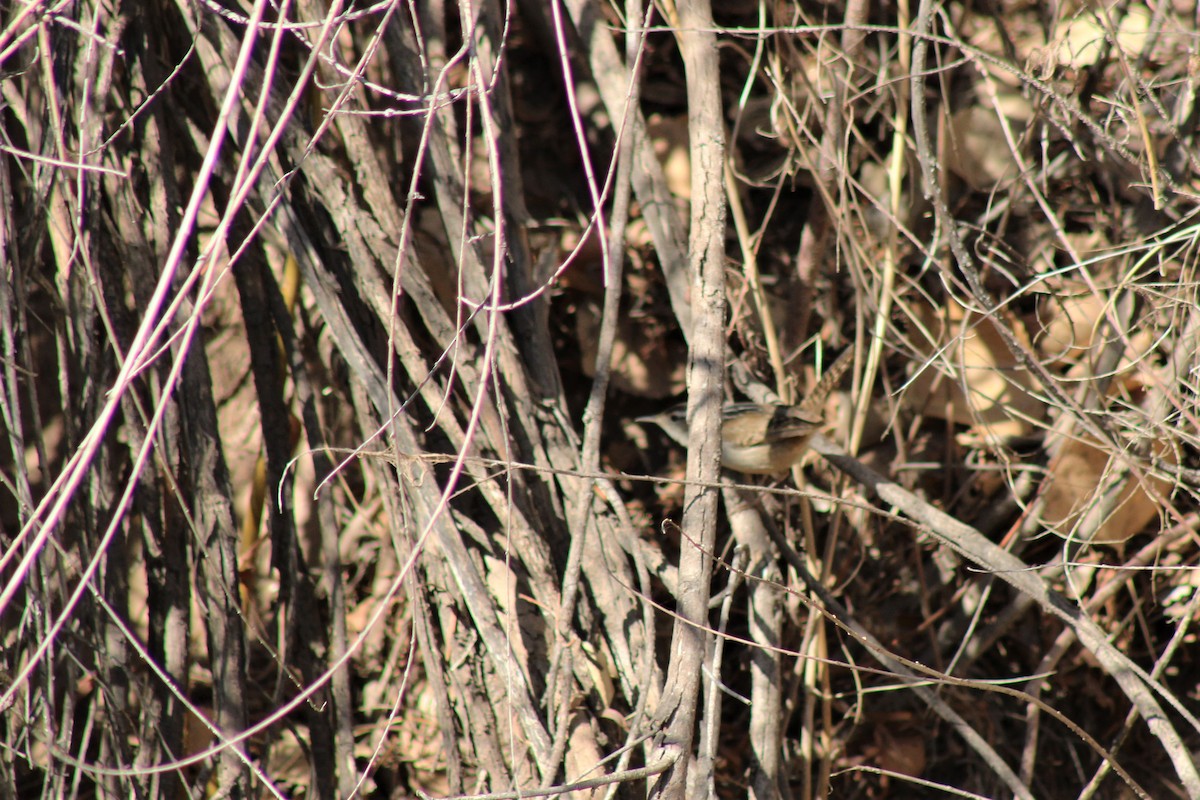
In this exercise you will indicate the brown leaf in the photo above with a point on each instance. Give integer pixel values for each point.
(988, 390)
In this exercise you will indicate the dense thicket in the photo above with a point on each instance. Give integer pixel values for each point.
(326, 330)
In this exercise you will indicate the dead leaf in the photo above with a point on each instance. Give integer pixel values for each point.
(1081, 38)
(645, 362)
(986, 388)
(1095, 497)
(673, 151)
(1073, 317)
(977, 150)
(903, 753)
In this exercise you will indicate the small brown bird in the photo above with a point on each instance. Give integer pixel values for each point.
(758, 438)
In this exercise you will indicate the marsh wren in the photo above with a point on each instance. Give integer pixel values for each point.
(763, 438)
